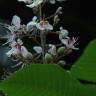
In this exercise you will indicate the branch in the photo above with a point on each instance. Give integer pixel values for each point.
(33, 39)
(50, 17)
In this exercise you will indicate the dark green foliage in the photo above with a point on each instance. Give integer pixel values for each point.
(85, 67)
(44, 80)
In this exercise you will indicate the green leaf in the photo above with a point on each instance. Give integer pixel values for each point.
(44, 80)
(85, 67)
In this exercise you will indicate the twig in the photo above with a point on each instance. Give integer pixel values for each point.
(35, 41)
(50, 17)
(40, 11)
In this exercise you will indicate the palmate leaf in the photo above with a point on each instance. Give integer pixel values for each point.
(44, 80)
(85, 67)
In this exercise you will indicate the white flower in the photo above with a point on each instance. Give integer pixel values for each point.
(32, 24)
(70, 43)
(44, 25)
(17, 49)
(11, 37)
(32, 3)
(20, 42)
(35, 3)
(63, 34)
(24, 51)
(9, 53)
(16, 22)
(38, 49)
(52, 49)
(67, 41)
(26, 1)
(13, 44)
(54, 1)
(13, 50)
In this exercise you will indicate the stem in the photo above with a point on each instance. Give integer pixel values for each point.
(40, 12)
(43, 42)
(34, 39)
(42, 36)
(50, 17)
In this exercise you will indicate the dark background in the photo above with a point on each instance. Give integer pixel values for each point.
(78, 17)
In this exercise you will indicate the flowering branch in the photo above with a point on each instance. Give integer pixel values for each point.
(40, 27)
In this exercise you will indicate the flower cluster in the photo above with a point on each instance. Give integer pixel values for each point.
(35, 3)
(39, 27)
